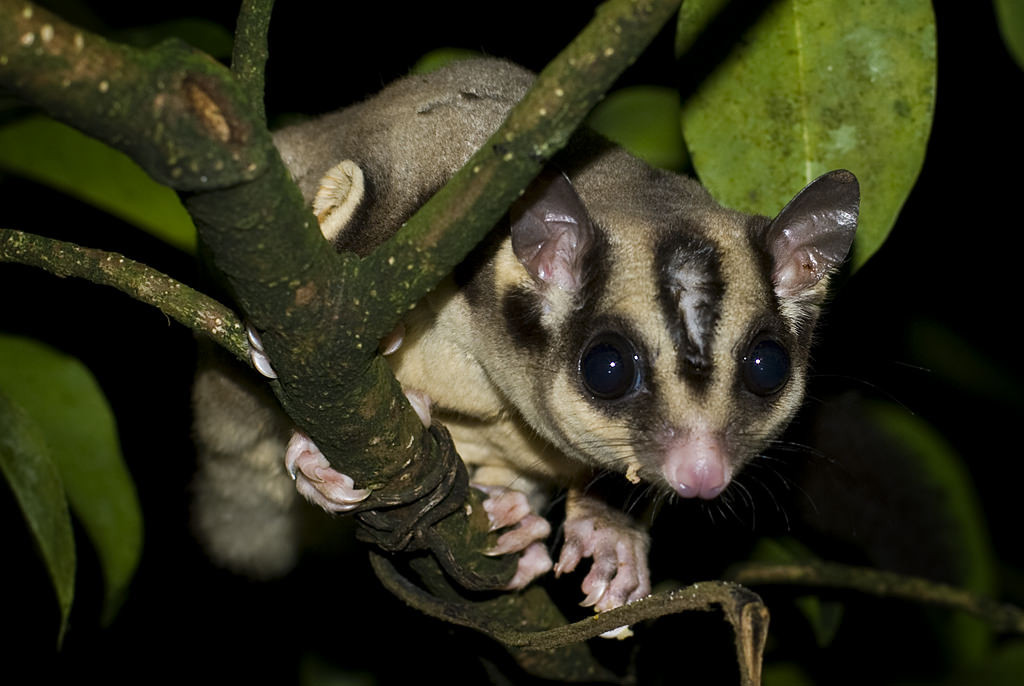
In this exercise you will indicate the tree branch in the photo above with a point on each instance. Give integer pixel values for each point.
(193, 125)
(185, 305)
(443, 231)
(1000, 616)
(189, 123)
(249, 57)
(742, 608)
(174, 110)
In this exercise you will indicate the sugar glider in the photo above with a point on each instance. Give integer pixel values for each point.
(618, 320)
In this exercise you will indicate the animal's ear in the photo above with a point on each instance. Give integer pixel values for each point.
(812, 235)
(338, 196)
(551, 232)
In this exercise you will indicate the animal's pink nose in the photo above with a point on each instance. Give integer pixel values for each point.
(696, 467)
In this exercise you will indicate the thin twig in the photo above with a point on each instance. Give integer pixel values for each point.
(178, 301)
(1002, 617)
(741, 607)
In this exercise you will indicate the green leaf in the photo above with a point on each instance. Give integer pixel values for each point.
(63, 399)
(786, 674)
(945, 353)
(645, 121)
(694, 17)
(1003, 668)
(817, 85)
(36, 484)
(942, 472)
(435, 59)
(1010, 14)
(206, 35)
(51, 153)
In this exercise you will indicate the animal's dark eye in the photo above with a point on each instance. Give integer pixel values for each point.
(610, 366)
(766, 367)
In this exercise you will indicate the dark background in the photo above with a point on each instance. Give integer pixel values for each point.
(950, 265)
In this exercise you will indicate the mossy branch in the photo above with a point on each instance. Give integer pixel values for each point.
(443, 231)
(249, 56)
(185, 305)
(200, 129)
(174, 110)
(193, 125)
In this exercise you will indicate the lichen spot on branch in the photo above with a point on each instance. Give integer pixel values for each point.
(305, 294)
(210, 115)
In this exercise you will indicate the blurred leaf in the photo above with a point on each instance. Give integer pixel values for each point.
(694, 17)
(51, 153)
(206, 35)
(435, 59)
(1010, 14)
(1003, 668)
(941, 470)
(645, 121)
(36, 484)
(944, 352)
(823, 616)
(785, 674)
(62, 398)
(815, 86)
(317, 671)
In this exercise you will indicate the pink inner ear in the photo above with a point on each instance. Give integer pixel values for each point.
(551, 233)
(555, 258)
(799, 268)
(812, 235)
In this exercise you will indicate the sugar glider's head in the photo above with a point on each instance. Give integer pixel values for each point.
(667, 337)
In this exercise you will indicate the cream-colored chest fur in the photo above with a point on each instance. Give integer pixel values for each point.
(438, 357)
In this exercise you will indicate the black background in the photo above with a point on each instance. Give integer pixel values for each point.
(951, 260)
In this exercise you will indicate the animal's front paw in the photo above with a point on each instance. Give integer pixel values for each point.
(618, 547)
(316, 480)
(509, 509)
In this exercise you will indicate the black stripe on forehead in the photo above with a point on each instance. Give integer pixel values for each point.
(690, 293)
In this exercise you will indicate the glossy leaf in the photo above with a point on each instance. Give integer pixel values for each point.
(645, 121)
(62, 398)
(816, 85)
(51, 153)
(36, 484)
(1010, 14)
